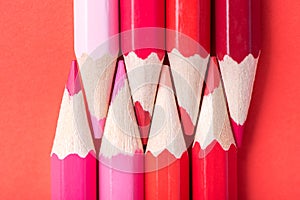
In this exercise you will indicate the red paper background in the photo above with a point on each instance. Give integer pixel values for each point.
(36, 43)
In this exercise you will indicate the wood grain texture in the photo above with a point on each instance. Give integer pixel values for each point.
(33, 70)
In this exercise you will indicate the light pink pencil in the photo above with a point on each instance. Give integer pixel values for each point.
(73, 162)
(121, 161)
(96, 46)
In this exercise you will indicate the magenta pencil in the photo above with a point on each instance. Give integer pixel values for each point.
(142, 42)
(73, 162)
(121, 159)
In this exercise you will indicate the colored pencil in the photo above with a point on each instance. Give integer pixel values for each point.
(143, 43)
(238, 50)
(188, 46)
(166, 161)
(214, 161)
(73, 161)
(121, 157)
(96, 46)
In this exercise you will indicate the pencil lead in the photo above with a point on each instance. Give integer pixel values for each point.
(73, 83)
(238, 132)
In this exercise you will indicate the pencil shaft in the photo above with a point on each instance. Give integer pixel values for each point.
(169, 180)
(187, 21)
(136, 14)
(121, 177)
(237, 28)
(73, 177)
(214, 173)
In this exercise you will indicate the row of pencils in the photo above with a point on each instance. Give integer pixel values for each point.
(156, 102)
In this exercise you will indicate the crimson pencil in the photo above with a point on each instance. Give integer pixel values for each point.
(238, 50)
(73, 162)
(96, 45)
(188, 45)
(143, 43)
(214, 158)
(121, 157)
(166, 161)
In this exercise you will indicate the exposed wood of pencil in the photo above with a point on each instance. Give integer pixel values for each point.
(214, 152)
(166, 162)
(73, 162)
(142, 40)
(238, 48)
(121, 158)
(96, 46)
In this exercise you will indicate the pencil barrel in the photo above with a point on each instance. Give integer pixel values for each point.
(166, 177)
(214, 173)
(73, 177)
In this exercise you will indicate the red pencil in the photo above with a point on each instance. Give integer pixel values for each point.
(238, 50)
(166, 162)
(188, 45)
(143, 42)
(214, 152)
(121, 158)
(73, 162)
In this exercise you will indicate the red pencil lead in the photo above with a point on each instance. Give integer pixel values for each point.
(238, 132)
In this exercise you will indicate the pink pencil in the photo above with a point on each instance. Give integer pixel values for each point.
(121, 159)
(73, 162)
(96, 46)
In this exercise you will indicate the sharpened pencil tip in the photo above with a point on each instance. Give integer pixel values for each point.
(213, 76)
(119, 79)
(165, 78)
(73, 83)
(238, 131)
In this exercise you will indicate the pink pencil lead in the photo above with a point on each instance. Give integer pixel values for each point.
(73, 83)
